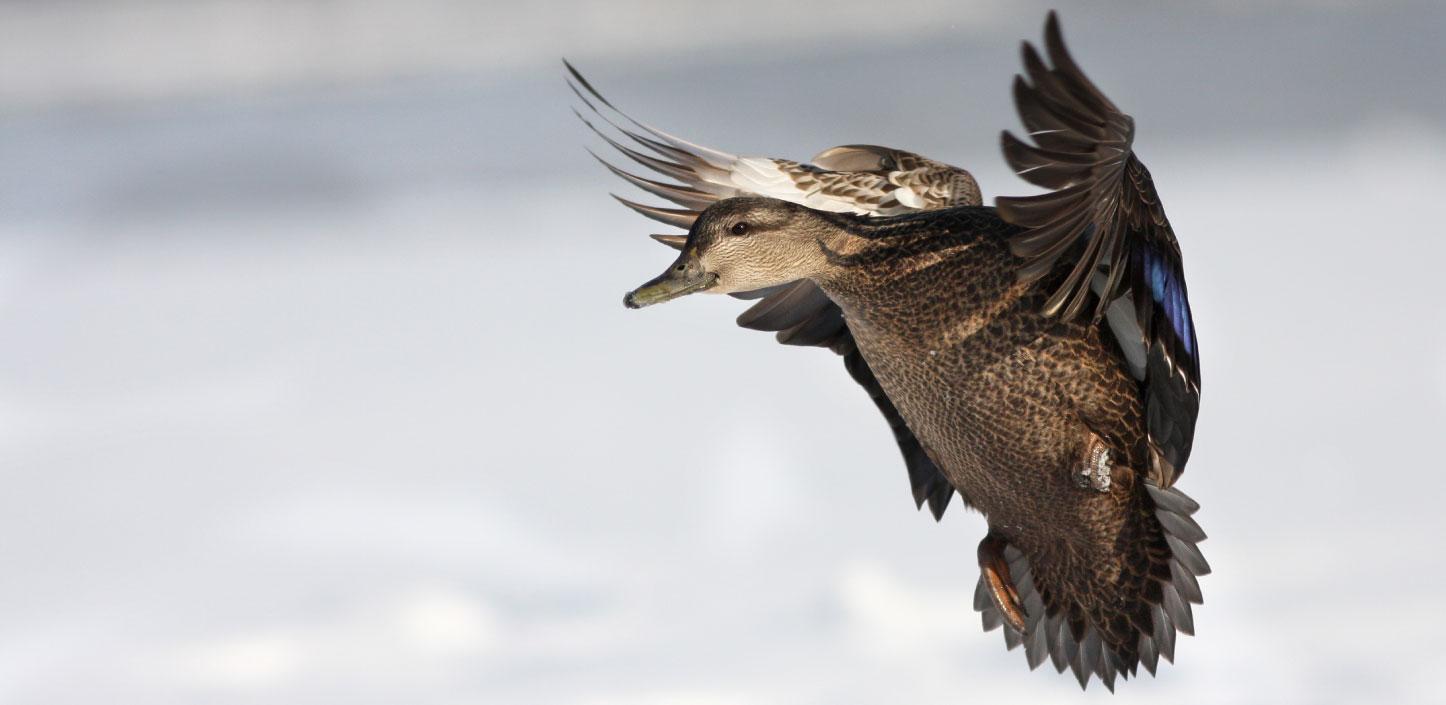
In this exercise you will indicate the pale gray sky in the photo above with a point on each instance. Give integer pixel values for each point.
(318, 388)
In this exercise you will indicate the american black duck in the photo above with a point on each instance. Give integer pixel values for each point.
(1037, 358)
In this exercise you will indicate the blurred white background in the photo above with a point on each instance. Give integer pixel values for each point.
(316, 385)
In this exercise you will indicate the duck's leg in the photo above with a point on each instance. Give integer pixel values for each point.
(997, 578)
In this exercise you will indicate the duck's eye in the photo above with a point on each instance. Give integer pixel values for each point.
(887, 164)
(739, 228)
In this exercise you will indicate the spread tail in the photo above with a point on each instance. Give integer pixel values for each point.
(1106, 617)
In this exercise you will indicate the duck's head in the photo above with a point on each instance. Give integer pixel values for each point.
(740, 244)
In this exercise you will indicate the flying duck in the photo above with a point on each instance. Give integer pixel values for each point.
(1037, 358)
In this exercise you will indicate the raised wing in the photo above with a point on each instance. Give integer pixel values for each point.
(1102, 230)
(864, 179)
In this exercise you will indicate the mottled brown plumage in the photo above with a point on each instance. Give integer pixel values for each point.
(1066, 431)
(1006, 401)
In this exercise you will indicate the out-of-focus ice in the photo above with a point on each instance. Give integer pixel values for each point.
(326, 393)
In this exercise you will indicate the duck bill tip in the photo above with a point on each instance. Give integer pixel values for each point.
(668, 286)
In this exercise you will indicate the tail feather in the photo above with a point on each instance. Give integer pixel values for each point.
(1069, 623)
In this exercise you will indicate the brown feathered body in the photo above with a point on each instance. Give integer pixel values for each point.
(1005, 401)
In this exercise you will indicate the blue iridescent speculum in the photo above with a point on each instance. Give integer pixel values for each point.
(1167, 290)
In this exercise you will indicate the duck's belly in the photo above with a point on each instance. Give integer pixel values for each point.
(1006, 413)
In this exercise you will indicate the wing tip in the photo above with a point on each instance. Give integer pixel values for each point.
(1051, 24)
(676, 242)
(676, 217)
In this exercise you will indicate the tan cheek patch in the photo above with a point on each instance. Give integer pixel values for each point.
(742, 264)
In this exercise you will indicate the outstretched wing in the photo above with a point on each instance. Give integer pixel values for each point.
(1104, 231)
(864, 179)
(852, 178)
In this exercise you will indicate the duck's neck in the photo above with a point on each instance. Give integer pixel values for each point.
(861, 255)
(907, 276)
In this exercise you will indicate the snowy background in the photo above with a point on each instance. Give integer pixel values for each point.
(316, 386)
